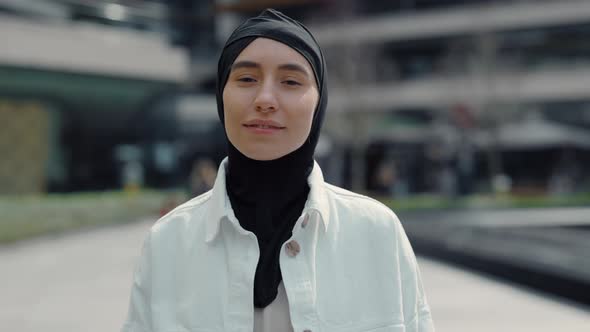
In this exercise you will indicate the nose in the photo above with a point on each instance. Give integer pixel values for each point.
(265, 98)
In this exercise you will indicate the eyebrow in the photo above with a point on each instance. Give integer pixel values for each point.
(244, 64)
(286, 66)
(294, 67)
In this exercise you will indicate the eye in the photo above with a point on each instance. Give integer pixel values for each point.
(291, 82)
(246, 79)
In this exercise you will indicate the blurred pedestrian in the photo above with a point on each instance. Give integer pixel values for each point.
(273, 247)
(202, 176)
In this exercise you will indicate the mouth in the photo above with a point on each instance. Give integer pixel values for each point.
(261, 126)
(258, 127)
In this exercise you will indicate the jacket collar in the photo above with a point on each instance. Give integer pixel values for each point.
(221, 207)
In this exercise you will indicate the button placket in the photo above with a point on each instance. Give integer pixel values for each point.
(296, 278)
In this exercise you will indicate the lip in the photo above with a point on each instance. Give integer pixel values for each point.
(260, 126)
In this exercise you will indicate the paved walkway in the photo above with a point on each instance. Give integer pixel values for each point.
(73, 283)
(465, 302)
(80, 283)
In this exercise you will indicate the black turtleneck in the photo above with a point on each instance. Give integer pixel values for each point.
(269, 196)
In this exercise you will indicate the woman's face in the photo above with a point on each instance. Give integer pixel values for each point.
(269, 100)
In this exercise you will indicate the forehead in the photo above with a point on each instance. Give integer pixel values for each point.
(271, 52)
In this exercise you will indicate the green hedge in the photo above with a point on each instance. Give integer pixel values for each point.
(425, 202)
(27, 216)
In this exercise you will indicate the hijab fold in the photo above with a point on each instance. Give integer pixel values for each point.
(269, 196)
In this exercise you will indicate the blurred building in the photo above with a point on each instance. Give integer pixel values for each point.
(80, 85)
(483, 89)
(426, 96)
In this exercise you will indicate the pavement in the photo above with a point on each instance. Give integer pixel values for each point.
(77, 282)
(80, 282)
(464, 301)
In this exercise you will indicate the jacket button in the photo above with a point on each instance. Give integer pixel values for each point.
(305, 221)
(292, 248)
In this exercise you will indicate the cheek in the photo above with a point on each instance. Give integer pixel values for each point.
(304, 115)
(236, 100)
(229, 113)
(311, 102)
(229, 105)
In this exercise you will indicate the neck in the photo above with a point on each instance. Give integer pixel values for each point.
(252, 180)
(262, 193)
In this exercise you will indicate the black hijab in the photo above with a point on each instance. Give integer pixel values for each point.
(268, 196)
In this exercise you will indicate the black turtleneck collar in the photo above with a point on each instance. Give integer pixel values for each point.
(270, 187)
(268, 196)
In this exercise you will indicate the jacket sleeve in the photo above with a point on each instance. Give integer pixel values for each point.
(139, 314)
(417, 316)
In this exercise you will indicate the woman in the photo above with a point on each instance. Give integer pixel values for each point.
(272, 247)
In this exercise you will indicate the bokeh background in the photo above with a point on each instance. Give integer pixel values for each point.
(469, 118)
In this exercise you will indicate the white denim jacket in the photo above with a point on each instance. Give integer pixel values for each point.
(348, 267)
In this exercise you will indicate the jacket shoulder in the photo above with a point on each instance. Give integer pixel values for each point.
(358, 205)
(183, 213)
